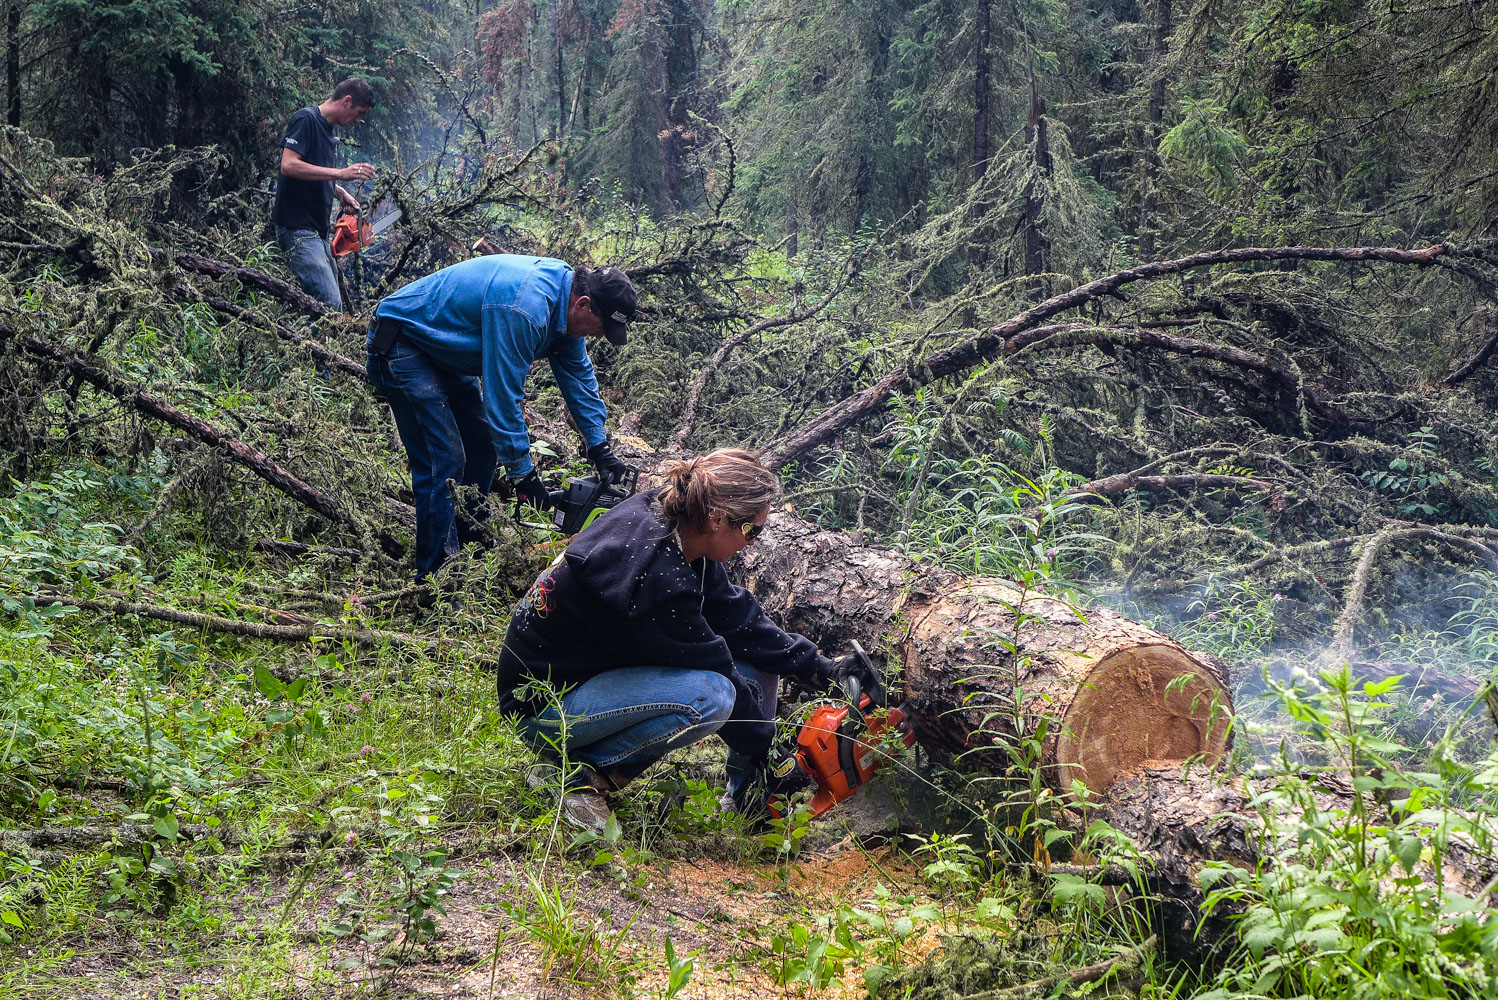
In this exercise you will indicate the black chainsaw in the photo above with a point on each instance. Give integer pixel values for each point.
(580, 501)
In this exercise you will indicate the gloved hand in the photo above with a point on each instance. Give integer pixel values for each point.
(860, 669)
(611, 469)
(529, 489)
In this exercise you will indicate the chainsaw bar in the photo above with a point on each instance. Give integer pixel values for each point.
(385, 223)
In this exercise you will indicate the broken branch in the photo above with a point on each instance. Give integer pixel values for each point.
(132, 395)
(995, 341)
(258, 630)
(250, 276)
(1160, 484)
(689, 412)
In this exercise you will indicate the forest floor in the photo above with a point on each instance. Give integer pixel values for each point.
(719, 914)
(189, 814)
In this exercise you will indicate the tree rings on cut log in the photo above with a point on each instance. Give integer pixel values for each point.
(1138, 703)
(1107, 693)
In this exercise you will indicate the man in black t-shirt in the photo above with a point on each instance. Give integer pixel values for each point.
(309, 172)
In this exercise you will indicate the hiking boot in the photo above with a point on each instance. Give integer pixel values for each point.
(543, 774)
(753, 783)
(586, 809)
(582, 802)
(547, 773)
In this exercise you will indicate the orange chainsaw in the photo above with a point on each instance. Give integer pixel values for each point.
(354, 232)
(840, 746)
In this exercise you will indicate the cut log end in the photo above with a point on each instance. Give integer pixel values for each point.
(1109, 693)
(1142, 702)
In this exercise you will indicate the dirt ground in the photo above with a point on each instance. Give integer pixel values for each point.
(722, 912)
(607, 938)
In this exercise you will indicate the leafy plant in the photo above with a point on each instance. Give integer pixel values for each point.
(1409, 476)
(293, 719)
(417, 875)
(1357, 905)
(1233, 619)
(801, 954)
(573, 946)
(48, 536)
(678, 970)
(953, 863)
(787, 831)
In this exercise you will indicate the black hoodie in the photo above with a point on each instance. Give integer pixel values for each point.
(622, 595)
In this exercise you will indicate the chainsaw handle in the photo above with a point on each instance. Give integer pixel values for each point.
(854, 690)
(878, 696)
(555, 496)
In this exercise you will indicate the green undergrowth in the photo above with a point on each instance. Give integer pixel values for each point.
(299, 819)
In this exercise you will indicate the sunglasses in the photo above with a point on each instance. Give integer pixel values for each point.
(751, 530)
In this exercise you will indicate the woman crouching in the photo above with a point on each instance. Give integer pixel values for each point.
(652, 647)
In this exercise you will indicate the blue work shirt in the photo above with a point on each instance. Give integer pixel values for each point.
(494, 316)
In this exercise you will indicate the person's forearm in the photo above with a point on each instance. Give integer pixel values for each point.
(303, 171)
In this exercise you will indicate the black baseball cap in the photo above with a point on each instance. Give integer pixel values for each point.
(615, 302)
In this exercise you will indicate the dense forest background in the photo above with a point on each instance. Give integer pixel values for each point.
(1071, 134)
(1189, 310)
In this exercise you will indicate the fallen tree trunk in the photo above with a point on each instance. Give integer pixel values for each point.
(250, 276)
(1182, 822)
(1102, 693)
(251, 458)
(154, 406)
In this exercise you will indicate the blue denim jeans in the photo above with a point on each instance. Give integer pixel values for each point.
(441, 421)
(311, 260)
(620, 722)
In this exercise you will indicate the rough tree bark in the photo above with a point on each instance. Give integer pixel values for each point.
(1154, 120)
(1038, 140)
(250, 276)
(1182, 821)
(1115, 693)
(13, 64)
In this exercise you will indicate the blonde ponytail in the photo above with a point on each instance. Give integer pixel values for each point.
(730, 480)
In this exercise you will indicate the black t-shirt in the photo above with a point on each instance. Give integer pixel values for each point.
(307, 204)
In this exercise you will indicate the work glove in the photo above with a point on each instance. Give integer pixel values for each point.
(855, 666)
(610, 468)
(851, 665)
(826, 675)
(529, 489)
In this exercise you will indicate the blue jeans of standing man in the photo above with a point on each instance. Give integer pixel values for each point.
(440, 417)
(621, 721)
(311, 259)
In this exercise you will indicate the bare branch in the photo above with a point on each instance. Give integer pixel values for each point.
(256, 461)
(1160, 484)
(249, 276)
(693, 404)
(1352, 608)
(375, 638)
(1486, 317)
(332, 359)
(995, 342)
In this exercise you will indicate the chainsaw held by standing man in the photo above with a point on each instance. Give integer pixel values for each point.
(493, 316)
(309, 184)
(650, 644)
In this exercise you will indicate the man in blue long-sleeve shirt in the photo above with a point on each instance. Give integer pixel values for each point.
(490, 317)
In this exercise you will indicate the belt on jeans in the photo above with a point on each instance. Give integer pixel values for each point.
(385, 333)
